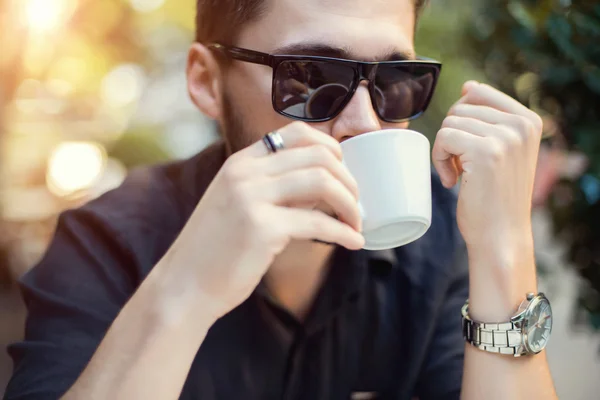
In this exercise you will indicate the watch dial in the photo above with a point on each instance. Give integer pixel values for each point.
(539, 326)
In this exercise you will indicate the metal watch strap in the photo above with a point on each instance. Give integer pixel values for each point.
(502, 338)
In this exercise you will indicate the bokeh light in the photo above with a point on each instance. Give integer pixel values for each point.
(28, 91)
(123, 85)
(75, 166)
(146, 5)
(72, 70)
(60, 87)
(46, 15)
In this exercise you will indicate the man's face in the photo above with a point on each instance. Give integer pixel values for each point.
(368, 30)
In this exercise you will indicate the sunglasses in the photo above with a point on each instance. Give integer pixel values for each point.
(316, 89)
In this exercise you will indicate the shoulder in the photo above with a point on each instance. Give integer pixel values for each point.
(147, 191)
(156, 198)
(130, 228)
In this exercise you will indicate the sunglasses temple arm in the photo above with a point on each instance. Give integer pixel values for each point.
(251, 56)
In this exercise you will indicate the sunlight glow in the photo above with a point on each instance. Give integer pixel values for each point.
(75, 166)
(146, 5)
(47, 15)
(123, 85)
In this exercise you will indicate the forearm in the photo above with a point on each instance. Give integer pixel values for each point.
(500, 277)
(148, 351)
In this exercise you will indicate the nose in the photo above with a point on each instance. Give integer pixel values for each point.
(357, 117)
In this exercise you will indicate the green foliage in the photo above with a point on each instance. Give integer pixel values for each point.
(547, 54)
(139, 147)
(442, 36)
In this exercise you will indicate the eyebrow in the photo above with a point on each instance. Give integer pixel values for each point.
(325, 50)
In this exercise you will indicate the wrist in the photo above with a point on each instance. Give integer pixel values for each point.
(500, 238)
(177, 300)
(501, 273)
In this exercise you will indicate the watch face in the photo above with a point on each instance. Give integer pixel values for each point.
(539, 324)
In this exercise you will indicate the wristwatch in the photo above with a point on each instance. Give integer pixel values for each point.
(526, 333)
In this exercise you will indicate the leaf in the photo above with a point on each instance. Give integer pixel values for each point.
(522, 15)
(560, 32)
(585, 24)
(558, 28)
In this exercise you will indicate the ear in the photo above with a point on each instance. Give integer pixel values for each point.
(204, 80)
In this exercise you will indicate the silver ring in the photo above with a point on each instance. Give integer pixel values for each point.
(274, 142)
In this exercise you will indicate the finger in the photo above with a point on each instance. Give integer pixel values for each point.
(314, 184)
(525, 127)
(481, 94)
(310, 205)
(468, 85)
(315, 225)
(470, 125)
(458, 165)
(465, 88)
(307, 157)
(482, 113)
(296, 134)
(451, 143)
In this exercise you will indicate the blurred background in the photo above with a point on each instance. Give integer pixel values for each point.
(90, 89)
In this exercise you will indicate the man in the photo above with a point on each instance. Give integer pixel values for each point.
(211, 278)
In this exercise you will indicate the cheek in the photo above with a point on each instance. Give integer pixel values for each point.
(250, 92)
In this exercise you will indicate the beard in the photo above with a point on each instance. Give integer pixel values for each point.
(234, 131)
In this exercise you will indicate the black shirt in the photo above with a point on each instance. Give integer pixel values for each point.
(383, 322)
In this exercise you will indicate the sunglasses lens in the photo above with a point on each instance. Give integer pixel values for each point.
(403, 91)
(311, 90)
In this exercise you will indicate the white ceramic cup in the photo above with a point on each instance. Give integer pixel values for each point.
(393, 171)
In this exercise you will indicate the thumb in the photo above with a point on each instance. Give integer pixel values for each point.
(445, 164)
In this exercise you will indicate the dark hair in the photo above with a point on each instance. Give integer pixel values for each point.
(221, 20)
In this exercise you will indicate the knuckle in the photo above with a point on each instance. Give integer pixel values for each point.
(527, 128)
(524, 125)
(495, 151)
(479, 93)
(451, 121)
(444, 134)
(537, 122)
(322, 154)
(300, 128)
(459, 109)
(234, 159)
(512, 139)
(319, 175)
(321, 180)
(300, 125)
(233, 170)
(294, 129)
(481, 89)
(325, 186)
(328, 159)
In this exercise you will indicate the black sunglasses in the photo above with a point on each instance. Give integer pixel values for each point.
(316, 89)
